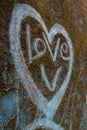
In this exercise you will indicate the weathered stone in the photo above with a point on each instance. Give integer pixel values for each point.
(17, 110)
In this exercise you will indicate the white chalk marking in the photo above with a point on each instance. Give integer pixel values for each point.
(49, 49)
(35, 43)
(45, 78)
(28, 40)
(20, 12)
(44, 123)
(64, 50)
(39, 53)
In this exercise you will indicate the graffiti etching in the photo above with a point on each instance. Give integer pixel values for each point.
(20, 12)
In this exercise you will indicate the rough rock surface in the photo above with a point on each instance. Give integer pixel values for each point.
(16, 108)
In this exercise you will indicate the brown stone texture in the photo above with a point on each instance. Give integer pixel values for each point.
(16, 108)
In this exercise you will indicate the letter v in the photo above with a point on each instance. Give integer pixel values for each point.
(45, 78)
(54, 56)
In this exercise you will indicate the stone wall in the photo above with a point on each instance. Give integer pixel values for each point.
(43, 65)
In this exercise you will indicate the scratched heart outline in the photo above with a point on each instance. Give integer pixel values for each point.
(20, 12)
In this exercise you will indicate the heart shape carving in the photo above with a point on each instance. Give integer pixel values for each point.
(20, 12)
